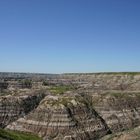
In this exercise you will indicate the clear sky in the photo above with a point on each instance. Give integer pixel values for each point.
(57, 36)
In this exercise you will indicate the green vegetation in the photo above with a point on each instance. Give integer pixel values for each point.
(118, 95)
(26, 83)
(120, 73)
(3, 86)
(108, 73)
(121, 95)
(14, 135)
(45, 83)
(61, 89)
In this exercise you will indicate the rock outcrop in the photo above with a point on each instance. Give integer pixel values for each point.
(120, 110)
(133, 134)
(14, 107)
(64, 118)
(99, 105)
(82, 116)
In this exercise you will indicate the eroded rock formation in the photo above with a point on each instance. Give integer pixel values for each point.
(60, 117)
(99, 105)
(14, 107)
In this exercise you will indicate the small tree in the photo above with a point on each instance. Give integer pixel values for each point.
(45, 83)
(26, 83)
(3, 85)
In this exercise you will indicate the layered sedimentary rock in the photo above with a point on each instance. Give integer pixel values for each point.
(101, 104)
(104, 81)
(120, 110)
(80, 116)
(132, 134)
(63, 118)
(13, 107)
(108, 81)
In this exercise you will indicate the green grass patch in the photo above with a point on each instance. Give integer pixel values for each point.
(108, 73)
(119, 94)
(14, 135)
(61, 89)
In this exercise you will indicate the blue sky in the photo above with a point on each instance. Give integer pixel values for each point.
(59, 36)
